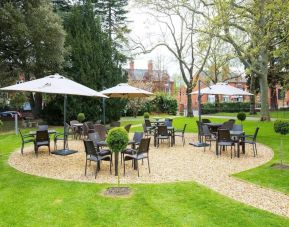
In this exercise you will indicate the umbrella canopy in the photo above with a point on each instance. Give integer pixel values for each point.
(222, 89)
(54, 84)
(126, 91)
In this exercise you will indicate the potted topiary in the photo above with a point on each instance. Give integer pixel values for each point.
(281, 127)
(241, 117)
(146, 115)
(117, 140)
(81, 117)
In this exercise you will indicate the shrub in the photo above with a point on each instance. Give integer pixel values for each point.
(80, 117)
(1, 123)
(281, 127)
(241, 116)
(231, 107)
(164, 103)
(146, 115)
(117, 140)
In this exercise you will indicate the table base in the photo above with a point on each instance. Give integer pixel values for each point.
(199, 144)
(64, 152)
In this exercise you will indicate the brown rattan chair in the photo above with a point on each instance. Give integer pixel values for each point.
(162, 134)
(135, 142)
(114, 124)
(252, 140)
(141, 153)
(227, 125)
(26, 139)
(181, 133)
(99, 144)
(42, 139)
(208, 136)
(101, 130)
(224, 140)
(91, 154)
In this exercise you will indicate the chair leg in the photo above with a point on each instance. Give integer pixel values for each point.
(137, 168)
(110, 166)
(49, 149)
(96, 169)
(256, 149)
(22, 147)
(85, 167)
(149, 165)
(231, 151)
(123, 168)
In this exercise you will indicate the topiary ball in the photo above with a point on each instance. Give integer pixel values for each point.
(117, 139)
(146, 115)
(80, 117)
(281, 127)
(241, 116)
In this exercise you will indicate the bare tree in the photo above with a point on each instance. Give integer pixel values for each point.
(178, 32)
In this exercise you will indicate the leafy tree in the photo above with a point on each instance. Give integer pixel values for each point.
(31, 41)
(92, 62)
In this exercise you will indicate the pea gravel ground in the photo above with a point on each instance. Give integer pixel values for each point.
(174, 164)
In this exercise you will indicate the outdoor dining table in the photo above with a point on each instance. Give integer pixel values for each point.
(33, 133)
(213, 126)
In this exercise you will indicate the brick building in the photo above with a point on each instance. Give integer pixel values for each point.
(160, 79)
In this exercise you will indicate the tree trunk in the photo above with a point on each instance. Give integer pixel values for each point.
(217, 103)
(116, 154)
(189, 103)
(37, 105)
(273, 96)
(253, 97)
(265, 116)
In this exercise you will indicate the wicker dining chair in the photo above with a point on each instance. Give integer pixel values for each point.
(224, 140)
(42, 139)
(162, 134)
(26, 138)
(252, 140)
(181, 133)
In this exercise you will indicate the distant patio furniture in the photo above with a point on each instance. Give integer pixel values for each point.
(145, 130)
(224, 140)
(139, 154)
(127, 127)
(149, 126)
(208, 136)
(162, 133)
(237, 128)
(204, 120)
(26, 139)
(59, 136)
(77, 128)
(227, 125)
(232, 120)
(88, 127)
(114, 124)
(42, 139)
(169, 122)
(91, 154)
(252, 141)
(200, 130)
(101, 130)
(42, 127)
(181, 133)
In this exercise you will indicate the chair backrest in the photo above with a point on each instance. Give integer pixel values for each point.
(227, 125)
(237, 128)
(89, 124)
(148, 123)
(127, 127)
(256, 133)
(21, 134)
(232, 120)
(169, 122)
(42, 127)
(224, 135)
(101, 130)
(42, 136)
(89, 147)
(204, 120)
(144, 145)
(115, 124)
(163, 130)
(137, 137)
(94, 137)
(206, 130)
(144, 128)
(184, 129)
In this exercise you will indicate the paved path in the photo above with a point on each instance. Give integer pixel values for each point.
(172, 164)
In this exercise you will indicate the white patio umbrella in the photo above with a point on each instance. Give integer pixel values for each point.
(216, 89)
(56, 84)
(222, 89)
(124, 90)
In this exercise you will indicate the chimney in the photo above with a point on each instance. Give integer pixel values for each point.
(150, 66)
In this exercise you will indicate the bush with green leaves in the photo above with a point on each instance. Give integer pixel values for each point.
(117, 140)
(80, 117)
(146, 115)
(241, 116)
(281, 127)
(230, 107)
(164, 103)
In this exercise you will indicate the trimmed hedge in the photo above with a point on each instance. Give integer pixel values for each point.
(281, 127)
(230, 107)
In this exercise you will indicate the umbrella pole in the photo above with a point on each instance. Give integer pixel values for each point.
(64, 151)
(199, 143)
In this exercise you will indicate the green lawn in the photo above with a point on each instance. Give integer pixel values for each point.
(281, 114)
(33, 201)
